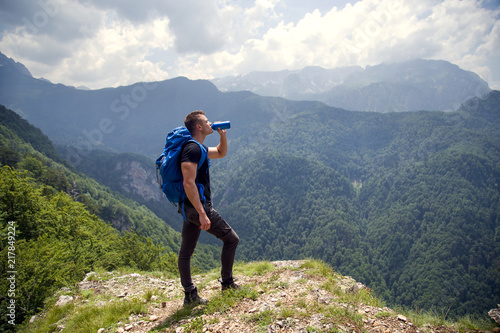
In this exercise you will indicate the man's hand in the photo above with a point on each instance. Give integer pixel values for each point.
(221, 131)
(221, 149)
(205, 222)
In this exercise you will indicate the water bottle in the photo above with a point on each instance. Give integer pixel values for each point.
(221, 125)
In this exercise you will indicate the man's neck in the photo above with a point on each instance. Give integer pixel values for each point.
(199, 137)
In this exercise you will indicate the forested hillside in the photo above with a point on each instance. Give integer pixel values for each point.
(58, 225)
(407, 203)
(134, 177)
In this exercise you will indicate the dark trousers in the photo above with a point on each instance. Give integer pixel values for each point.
(190, 234)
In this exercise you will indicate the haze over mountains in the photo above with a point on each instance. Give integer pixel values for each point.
(408, 86)
(405, 202)
(111, 114)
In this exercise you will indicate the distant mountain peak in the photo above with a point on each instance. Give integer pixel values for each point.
(417, 84)
(9, 62)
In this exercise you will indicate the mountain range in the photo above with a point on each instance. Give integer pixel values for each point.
(434, 85)
(405, 202)
(150, 108)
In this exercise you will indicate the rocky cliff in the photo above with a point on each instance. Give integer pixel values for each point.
(281, 296)
(138, 179)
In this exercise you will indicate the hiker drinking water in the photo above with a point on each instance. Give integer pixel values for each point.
(194, 197)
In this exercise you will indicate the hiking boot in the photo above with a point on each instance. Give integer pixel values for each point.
(192, 298)
(229, 284)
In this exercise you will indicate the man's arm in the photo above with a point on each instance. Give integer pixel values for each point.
(189, 170)
(221, 149)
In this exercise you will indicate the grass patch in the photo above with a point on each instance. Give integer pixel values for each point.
(319, 267)
(226, 300)
(262, 319)
(384, 314)
(148, 294)
(93, 277)
(281, 284)
(195, 325)
(301, 281)
(363, 297)
(88, 318)
(255, 268)
(287, 313)
(51, 319)
(87, 294)
(302, 303)
(466, 323)
(424, 317)
(345, 316)
(164, 275)
(474, 323)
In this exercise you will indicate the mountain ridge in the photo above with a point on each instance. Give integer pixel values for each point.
(101, 119)
(388, 87)
(9, 62)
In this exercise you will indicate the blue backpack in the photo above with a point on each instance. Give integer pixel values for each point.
(168, 166)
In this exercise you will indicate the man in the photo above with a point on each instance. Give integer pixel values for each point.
(199, 215)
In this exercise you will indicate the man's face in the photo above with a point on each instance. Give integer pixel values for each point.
(206, 126)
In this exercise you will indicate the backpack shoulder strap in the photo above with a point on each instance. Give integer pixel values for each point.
(204, 154)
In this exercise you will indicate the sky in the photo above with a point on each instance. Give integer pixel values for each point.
(110, 43)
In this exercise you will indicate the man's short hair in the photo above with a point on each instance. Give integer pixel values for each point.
(192, 120)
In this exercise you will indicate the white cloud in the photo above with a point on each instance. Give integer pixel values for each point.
(368, 33)
(485, 60)
(108, 43)
(120, 50)
(108, 54)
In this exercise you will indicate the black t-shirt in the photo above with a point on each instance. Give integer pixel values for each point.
(191, 152)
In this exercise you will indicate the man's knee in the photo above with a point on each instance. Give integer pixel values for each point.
(185, 254)
(231, 238)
